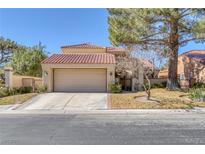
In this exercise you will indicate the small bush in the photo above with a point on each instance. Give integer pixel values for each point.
(23, 90)
(156, 85)
(164, 83)
(197, 94)
(159, 85)
(8, 92)
(41, 89)
(115, 88)
(198, 85)
(2, 77)
(4, 92)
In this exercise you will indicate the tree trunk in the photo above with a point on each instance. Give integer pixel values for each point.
(172, 82)
(148, 94)
(147, 89)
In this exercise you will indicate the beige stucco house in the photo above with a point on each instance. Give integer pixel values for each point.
(80, 68)
(89, 68)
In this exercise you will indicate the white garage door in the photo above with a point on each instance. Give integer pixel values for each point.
(80, 80)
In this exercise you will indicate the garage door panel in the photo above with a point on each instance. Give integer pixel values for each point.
(80, 80)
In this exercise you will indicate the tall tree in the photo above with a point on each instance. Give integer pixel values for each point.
(7, 47)
(27, 61)
(161, 30)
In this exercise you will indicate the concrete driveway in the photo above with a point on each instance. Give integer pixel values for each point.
(67, 102)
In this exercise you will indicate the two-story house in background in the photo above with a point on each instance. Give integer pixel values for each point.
(191, 68)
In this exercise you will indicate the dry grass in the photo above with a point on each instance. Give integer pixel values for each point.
(168, 100)
(16, 99)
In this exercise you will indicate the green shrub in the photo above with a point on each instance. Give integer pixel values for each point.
(156, 85)
(41, 89)
(197, 94)
(159, 85)
(2, 76)
(198, 85)
(164, 84)
(8, 92)
(23, 90)
(4, 92)
(115, 88)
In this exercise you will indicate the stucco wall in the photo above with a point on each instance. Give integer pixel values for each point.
(48, 72)
(25, 81)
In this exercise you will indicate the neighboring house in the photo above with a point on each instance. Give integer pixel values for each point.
(191, 67)
(85, 68)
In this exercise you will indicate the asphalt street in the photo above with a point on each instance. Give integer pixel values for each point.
(112, 128)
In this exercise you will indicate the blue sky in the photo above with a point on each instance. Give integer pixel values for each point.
(58, 27)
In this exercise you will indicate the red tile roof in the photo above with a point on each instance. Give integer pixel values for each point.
(84, 46)
(194, 52)
(83, 58)
(197, 55)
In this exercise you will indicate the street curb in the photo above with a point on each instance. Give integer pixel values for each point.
(123, 111)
